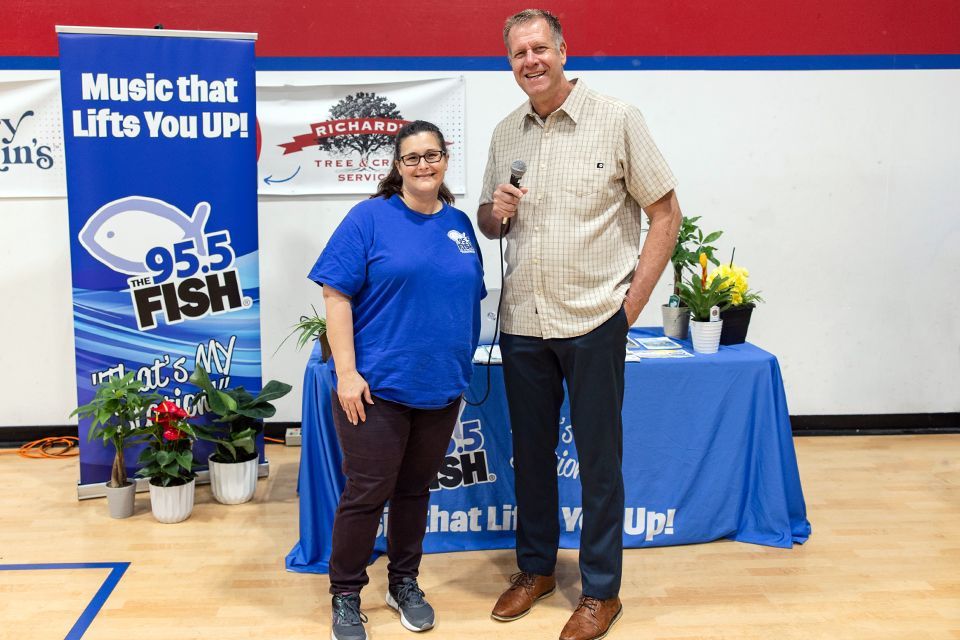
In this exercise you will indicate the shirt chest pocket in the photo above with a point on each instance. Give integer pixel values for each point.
(590, 176)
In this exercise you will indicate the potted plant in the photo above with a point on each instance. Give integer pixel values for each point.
(691, 243)
(736, 317)
(240, 415)
(701, 296)
(168, 463)
(116, 410)
(311, 327)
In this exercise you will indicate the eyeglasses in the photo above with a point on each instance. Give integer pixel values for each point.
(413, 159)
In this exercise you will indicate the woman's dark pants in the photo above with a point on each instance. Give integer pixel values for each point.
(394, 455)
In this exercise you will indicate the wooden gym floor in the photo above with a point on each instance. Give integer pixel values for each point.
(883, 562)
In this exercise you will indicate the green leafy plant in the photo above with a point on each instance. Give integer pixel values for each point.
(701, 297)
(309, 328)
(116, 411)
(751, 297)
(168, 457)
(239, 414)
(691, 243)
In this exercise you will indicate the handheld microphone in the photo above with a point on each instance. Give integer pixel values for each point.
(517, 169)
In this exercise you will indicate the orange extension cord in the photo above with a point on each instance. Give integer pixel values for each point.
(59, 447)
(62, 447)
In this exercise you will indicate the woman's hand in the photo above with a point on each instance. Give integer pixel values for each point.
(353, 390)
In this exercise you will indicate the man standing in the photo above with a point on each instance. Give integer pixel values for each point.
(574, 285)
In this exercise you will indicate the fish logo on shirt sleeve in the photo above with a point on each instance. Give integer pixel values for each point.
(462, 241)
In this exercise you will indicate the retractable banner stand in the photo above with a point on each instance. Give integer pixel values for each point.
(161, 148)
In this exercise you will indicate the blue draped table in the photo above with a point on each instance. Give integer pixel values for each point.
(708, 454)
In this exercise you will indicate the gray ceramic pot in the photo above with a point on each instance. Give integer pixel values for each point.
(676, 321)
(120, 500)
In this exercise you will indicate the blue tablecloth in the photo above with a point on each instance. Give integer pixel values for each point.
(708, 454)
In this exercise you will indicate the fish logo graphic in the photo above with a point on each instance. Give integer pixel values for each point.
(462, 241)
(121, 232)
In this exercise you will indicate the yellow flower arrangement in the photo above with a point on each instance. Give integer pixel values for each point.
(737, 277)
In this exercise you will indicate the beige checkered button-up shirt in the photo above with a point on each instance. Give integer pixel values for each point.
(573, 246)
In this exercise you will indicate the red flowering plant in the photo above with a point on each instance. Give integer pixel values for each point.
(168, 458)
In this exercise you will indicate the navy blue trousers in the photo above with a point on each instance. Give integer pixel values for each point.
(534, 370)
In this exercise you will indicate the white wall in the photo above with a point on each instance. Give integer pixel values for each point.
(840, 190)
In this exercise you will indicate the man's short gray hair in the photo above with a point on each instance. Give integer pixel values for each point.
(529, 15)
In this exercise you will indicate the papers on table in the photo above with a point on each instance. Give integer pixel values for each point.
(636, 355)
(644, 348)
(482, 355)
(654, 343)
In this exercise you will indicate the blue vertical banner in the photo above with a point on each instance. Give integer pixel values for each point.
(161, 149)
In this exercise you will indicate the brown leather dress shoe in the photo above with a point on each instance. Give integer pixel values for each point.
(525, 589)
(592, 619)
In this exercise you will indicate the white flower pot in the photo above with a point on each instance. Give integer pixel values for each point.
(172, 504)
(706, 335)
(233, 482)
(120, 500)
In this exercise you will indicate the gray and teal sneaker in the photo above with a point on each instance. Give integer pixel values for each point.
(416, 614)
(347, 619)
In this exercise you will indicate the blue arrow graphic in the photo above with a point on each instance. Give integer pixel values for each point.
(270, 179)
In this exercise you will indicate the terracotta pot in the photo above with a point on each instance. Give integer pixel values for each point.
(325, 352)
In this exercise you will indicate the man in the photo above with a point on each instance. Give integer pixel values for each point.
(574, 285)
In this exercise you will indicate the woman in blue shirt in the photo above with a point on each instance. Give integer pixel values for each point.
(402, 281)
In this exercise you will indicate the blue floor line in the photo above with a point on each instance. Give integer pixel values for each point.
(117, 569)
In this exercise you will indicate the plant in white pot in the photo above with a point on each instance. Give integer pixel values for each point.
(701, 296)
(115, 412)
(240, 415)
(691, 244)
(168, 463)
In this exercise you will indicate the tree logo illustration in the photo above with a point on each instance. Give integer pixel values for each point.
(361, 105)
(362, 123)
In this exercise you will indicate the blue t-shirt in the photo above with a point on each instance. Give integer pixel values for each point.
(415, 283)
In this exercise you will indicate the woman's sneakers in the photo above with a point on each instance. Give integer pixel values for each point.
(416, 614)
(347, 618)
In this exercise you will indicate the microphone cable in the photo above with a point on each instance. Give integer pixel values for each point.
(496, 326)
(517, 170)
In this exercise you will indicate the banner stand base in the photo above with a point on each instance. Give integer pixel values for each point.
(99, 489)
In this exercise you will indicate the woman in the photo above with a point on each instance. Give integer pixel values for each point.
(402, 281)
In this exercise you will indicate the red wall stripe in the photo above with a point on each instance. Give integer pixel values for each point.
(455, 28)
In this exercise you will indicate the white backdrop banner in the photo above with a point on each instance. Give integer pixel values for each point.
(339, 138)
(31, 139)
